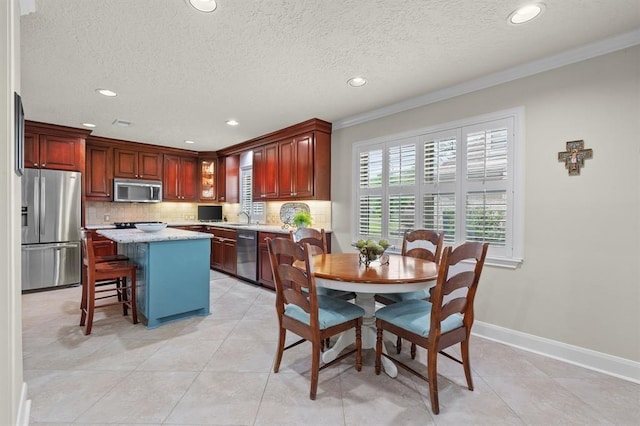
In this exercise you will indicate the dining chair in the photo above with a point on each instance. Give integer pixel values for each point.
(422, 244)
(317, 239)
(301, 310)
(105, 279)
(439, 323)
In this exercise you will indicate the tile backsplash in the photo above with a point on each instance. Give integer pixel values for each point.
(97, 213)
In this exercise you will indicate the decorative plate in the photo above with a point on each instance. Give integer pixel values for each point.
(289, 210)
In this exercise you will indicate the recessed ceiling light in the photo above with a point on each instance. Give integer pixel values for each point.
(526, 13)
(357, 82)
(106, 92)
(203, 5)
(232, 122)
(89, 125)
(187, 141)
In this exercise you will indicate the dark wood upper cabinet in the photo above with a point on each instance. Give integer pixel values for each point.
(229, 179)
(132, 164)
(179, 180)
(99, 172)
(48, 146)
(208, 170)
(296, 167)
(265, 172)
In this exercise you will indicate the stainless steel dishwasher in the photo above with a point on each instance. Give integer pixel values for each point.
(247, 254)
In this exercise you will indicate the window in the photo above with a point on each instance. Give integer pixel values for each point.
(256, 210)
(458, 178)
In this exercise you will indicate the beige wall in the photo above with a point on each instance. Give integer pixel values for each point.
(11, 380)
(579, 283)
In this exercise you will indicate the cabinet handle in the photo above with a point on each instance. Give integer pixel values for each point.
(35, 164)
(263, 196)
(108, 195)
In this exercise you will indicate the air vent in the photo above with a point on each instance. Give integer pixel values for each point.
(121, 123)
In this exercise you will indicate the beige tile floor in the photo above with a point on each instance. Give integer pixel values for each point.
(216, 370)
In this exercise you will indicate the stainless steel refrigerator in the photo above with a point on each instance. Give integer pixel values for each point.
(50, 228)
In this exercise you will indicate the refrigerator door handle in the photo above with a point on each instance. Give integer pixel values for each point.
(56, 265)
(43, 212)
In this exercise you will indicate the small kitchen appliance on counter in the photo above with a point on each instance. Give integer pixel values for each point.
(210, 213)
(131, 225)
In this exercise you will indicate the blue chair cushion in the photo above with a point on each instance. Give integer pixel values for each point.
(412, 295)
(415, 316)
(331, 311)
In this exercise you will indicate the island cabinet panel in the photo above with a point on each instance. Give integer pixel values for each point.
(133, 164)
(265, 172)
(296, 167)
(48, 146)
(99, 172)
(172, 279)
(179, 180)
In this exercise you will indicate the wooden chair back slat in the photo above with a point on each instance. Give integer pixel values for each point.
(317, 239)
(461, 280)
(435, 238)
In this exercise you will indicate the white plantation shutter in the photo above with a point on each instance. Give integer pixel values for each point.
(370, 216)
(256, 210)
(440, 214)
(458, 180)
(486, 214)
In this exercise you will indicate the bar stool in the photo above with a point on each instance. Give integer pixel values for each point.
(116, 278)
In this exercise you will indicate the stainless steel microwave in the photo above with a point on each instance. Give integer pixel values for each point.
(138, 191)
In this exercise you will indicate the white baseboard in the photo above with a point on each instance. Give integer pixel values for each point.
(587, 358)
(24, 410)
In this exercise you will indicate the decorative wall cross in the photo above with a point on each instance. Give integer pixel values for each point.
(574, 156)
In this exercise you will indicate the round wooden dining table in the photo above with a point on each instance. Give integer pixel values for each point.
(343, 271)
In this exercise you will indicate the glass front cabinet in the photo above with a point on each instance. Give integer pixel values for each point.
(208, 189)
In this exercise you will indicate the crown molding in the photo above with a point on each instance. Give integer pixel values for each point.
(599, 48)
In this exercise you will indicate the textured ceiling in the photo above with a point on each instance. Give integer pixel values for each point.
(180, 74)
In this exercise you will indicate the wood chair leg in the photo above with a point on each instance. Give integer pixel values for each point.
(282, 335)
(359, 347)
(464, 350)
(398, 345)
(91, 304)
(413, 351)
(432, 375)
(83, 300)
(121, 291)
(379, 351)
(315, 368)
(132, 302)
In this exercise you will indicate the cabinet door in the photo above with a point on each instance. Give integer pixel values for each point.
(31, 148)
(171, 178)
(217, 253)
(303, 166)
(221, 179)
(188, 177)
(265, 275)
(230, 256)
(125, 164)
(265, 172)
(232, 179)
(61, 153)
(208, 181)
(99, 172)
(149, 165)
(287, 169)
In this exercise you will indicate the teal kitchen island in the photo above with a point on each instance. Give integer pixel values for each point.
(172, 279)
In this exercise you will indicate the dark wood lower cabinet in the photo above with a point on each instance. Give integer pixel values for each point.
(265, 275)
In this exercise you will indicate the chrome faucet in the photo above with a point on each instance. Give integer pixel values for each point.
(246, 214)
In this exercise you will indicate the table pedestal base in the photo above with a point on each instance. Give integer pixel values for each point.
(367, 302)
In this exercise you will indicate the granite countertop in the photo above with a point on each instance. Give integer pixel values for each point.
(126, 236)
(230, 225)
